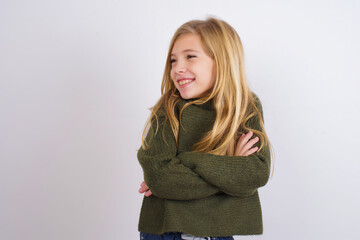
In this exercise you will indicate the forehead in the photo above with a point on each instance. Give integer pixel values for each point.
(187, 42)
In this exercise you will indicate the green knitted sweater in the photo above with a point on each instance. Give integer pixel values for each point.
(201, 194)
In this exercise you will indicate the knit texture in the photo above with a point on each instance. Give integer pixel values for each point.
(201, 194)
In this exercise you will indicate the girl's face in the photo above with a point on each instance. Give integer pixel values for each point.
(192, 71)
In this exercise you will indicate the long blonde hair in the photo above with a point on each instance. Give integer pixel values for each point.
(232, 99)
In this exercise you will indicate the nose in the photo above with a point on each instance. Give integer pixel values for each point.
(179, 67)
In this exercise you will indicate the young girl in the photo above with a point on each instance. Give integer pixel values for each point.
(206, 151)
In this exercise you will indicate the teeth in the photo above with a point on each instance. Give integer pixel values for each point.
(184, 82)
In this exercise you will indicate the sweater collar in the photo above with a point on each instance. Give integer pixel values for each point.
(207, 106)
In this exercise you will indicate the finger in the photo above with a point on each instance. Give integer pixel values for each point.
(143, 185)
(248, 136)
(148, 193)
(244, 138)
(250, 144)
(240, 144)
(142, 190)
(247, 146)
(251, 151)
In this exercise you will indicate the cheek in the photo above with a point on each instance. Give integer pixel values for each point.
(208, 74)
(172, 75)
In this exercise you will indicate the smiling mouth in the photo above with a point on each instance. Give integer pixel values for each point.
(185, 81)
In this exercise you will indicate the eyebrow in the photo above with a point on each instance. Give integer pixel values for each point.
(186, 50)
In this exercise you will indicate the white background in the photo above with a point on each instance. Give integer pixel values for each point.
(77, 78)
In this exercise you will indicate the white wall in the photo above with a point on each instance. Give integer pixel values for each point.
(77, 78)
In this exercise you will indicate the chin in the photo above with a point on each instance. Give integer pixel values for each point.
(185, 97)
(189, 97)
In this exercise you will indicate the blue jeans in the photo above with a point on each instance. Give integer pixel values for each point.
(176, 236)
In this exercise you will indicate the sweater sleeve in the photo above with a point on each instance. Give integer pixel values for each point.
(164, 174)
(238, 176)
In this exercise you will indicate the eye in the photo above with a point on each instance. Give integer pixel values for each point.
(188, 56)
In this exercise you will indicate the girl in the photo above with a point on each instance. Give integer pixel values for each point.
(206, 151)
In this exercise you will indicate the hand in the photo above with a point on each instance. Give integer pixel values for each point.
(244, 145)
(145, 189)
